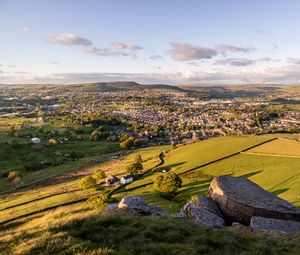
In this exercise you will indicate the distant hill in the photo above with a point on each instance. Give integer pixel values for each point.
(123, 85)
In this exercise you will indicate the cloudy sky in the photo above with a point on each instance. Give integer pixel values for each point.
(150, 41)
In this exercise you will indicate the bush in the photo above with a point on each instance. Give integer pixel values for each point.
(52, 141)
(127, 143)
(167, 184)
(134, 168)
(138, 158)
(34, 166)
(14, 177)
(99, 175)
(4, 174)
(99, 202)
(87, 182)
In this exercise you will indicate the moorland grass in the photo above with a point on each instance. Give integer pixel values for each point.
(79, 230)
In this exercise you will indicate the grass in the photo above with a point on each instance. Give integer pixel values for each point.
(279, 147)
(79, 230)
(192, 155)
(280, 175)
(62, 193)
(39, 205)
(58, 156)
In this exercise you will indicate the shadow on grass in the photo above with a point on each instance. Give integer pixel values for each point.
(248, 175)
(280, 191)
(168, 167)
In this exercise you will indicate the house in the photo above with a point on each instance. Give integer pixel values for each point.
(112, 180)
(127, 179)
(35, 140)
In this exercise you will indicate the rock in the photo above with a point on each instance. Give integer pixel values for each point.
(132, 202)
(204, 211)
(275, 225)
(240, 199)
(112, 207)
(139, 205)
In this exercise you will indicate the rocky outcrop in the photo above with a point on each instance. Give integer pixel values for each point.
(240, 200)
(274, 225)
(204, 211)
(139, 205)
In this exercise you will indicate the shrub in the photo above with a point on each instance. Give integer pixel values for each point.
(52, 141)
(99, 175)
(14, 177)
(4, 174)
(127, 143)
(138, 158)
(99, 202)
(87, 182)
(167, 184)
(134, 168)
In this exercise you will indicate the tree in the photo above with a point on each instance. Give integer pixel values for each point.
(98, 135)
(87, 182)
(167, 184)
(14, 178)
(127, 143)
(138, 158)
(134, 168)
(99, 202)
(99, 175)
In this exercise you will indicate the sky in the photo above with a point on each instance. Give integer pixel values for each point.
(150, 41)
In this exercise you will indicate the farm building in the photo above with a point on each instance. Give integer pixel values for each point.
(112, 180)
(127, 178)
(35, 140)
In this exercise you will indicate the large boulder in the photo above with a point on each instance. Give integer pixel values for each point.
(139, 205)
(274, 225)
(240, 199)
(204, 211)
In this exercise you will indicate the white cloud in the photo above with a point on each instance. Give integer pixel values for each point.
(132, 46)
(243, 61)
(281, 75)
(118, 48)
(156, 57)
(24, 29)
(119, 45)
(68, 39)
(181, 51)
(294, 61)
(235, 62)
(225, 48)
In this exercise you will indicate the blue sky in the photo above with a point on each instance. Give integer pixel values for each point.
(157, 41)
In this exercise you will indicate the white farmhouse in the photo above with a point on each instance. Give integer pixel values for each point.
(127, 179)
(35, 140)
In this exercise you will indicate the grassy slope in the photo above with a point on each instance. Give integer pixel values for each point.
(195, 154)
(149, 156)
(15, 158)
(282, 147)
(78, 230)
(277, 174)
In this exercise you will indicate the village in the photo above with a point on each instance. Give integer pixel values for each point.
(159, 115)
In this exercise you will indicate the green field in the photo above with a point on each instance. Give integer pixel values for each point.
(276, 174)
(279, 147)
(56, 158)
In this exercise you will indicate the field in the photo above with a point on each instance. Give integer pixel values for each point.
(17, 154)
(280, 174)
(279, 147)
(196, 163)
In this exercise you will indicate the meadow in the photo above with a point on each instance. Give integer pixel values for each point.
(196, 163)
(278, 174)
